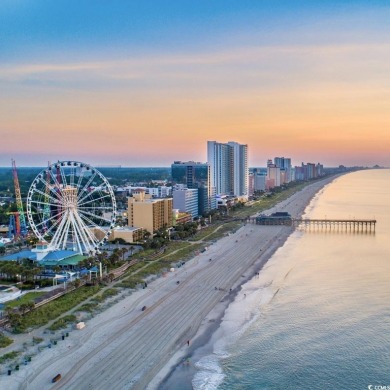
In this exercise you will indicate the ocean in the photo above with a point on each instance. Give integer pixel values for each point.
(318, 315)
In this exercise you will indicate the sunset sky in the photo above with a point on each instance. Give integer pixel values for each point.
(144, 83)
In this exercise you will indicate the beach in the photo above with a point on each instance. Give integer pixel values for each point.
(126, 347)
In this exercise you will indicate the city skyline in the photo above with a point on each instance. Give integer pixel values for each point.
(147, 83)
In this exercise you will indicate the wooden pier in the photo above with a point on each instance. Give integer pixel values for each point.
(346, 225)
(350, 225)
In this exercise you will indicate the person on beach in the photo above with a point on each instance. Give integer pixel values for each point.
(188, 342)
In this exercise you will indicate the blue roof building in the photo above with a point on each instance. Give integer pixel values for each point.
(52, 258)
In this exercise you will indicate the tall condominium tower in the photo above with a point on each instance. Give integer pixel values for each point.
(282, 162)
(196, 175)
(285, 168)
(228, 167)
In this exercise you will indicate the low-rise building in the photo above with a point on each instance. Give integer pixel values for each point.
(181, 218)
(186, 200)
(127, 233)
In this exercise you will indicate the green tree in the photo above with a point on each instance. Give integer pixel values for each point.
(14, 318)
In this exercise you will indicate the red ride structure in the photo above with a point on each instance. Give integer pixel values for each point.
(22, 228)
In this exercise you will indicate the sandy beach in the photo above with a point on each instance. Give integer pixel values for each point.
(127, 348)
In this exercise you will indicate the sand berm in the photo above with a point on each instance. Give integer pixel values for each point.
(127, 348)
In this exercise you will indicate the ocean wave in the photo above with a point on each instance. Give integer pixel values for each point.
(209, 363)
(210, 374)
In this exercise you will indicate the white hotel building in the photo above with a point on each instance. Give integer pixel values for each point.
(228, 168)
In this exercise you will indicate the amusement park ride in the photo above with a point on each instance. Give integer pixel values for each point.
(70, 206)
(17, 220)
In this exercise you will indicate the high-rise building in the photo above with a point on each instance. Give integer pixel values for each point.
(282, 162)
(193, 174)
(228, 167)
(196, 175)
(260, 180)
(285, 168)
(308, 171)
(273, 175)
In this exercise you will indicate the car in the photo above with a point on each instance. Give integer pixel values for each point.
(56, 378)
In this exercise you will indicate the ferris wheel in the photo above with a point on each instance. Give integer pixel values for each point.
(71, 205)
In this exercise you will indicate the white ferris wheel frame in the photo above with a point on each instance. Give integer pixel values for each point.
(63, 197)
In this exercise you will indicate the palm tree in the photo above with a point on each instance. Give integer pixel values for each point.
(35, 271)
(114, 257)
(123, 252)
(101, 256)
(26, 273)
(131, 251)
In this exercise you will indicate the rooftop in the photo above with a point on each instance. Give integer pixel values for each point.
(61, 257)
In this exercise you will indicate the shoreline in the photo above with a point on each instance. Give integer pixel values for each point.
(171, 374)
(205, 334)
(126, 348)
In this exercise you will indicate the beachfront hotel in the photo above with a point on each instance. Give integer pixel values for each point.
(147, 213)
(228, 168)
(186, 200)
(284, 164)
(196, 175)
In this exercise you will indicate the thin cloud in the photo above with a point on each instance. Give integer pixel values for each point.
(132, 69)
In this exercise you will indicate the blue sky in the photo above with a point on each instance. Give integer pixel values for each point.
(282, 76)
(61, 29)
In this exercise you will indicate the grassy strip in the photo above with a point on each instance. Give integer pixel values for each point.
(174, 246)
(5, 341)
(54, 309)
(110, 292)
(201, 234)
(88, 307)
(184, 254)
(226, 228)
(9, 356)
(130, 282)
(63, 322)
(143, 254)
(29, 297)
(159, 266)
(268, 202)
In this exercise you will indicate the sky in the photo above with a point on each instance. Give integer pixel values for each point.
(146, 83)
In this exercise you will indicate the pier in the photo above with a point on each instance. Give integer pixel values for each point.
(350, 225)
(346, 225)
